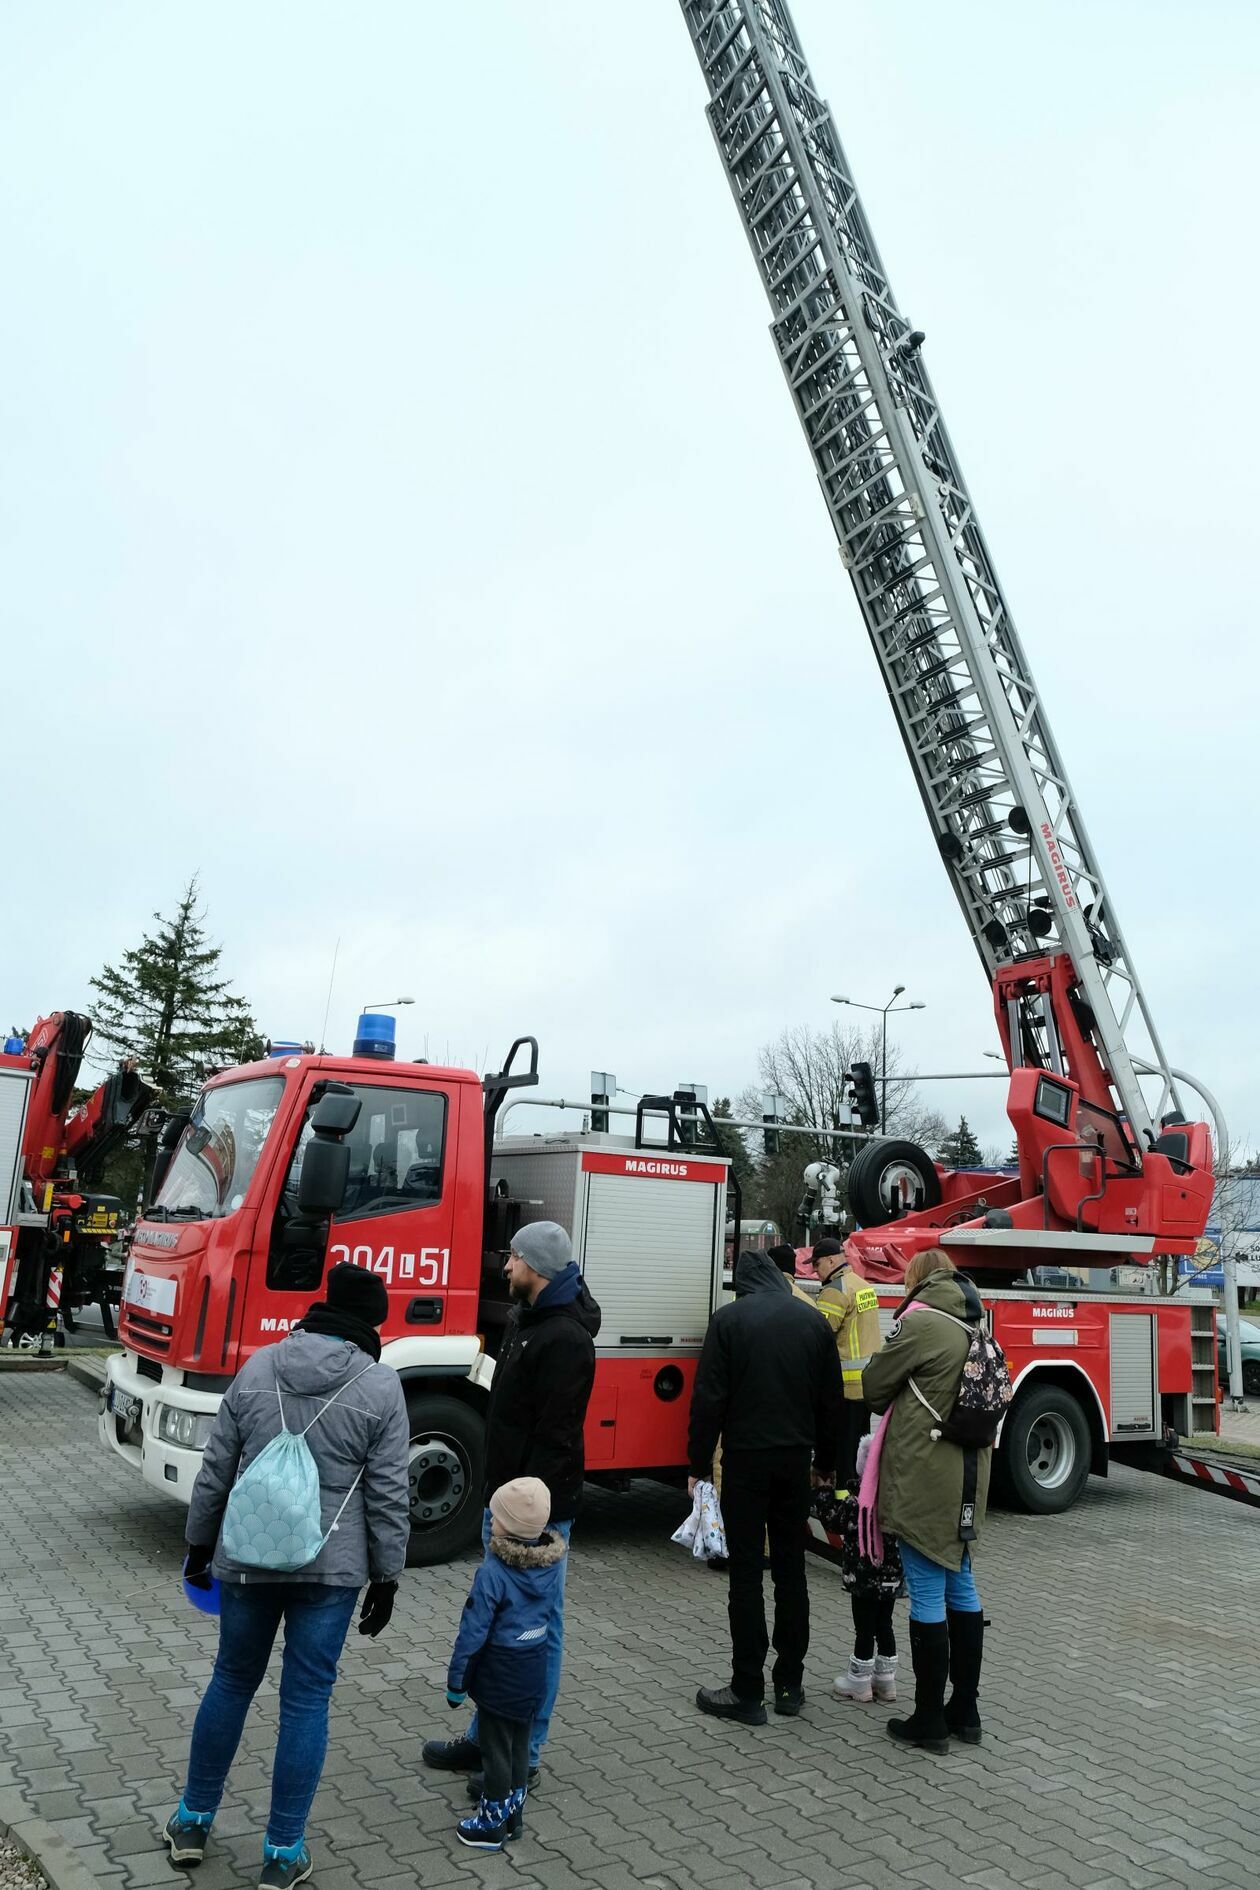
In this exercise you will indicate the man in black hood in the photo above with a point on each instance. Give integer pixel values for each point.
(769, 1385)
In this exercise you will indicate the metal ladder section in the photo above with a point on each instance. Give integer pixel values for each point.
(1202, 1369)
(1006, 821)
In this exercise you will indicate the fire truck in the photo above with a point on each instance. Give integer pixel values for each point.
(52, 1149)
(288, 1166)
(284, 1167)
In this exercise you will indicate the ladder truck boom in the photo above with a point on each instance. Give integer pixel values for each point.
(1007, 823)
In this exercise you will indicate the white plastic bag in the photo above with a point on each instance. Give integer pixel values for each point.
(703, 1531)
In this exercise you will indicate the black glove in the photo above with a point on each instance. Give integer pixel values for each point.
(378, 1605)
(197, 1564)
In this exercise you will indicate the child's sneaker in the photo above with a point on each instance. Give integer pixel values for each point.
(284, 1865)
(856, 1683)
(884, 1678)
(186, 1837)
(490, 1826)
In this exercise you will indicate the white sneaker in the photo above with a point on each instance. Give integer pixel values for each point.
(856, 1683)
(884, 1678)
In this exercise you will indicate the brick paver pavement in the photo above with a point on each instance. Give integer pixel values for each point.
(1121, 1698)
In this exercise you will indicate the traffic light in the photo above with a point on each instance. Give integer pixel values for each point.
(864, 1102)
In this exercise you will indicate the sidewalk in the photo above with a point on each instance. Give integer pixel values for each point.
(1121, 1703)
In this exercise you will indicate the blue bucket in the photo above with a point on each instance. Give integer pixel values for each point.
(204, 1600)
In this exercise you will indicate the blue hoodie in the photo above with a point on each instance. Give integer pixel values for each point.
(500, 1652)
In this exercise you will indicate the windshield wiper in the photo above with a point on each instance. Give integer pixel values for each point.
(184, 1214)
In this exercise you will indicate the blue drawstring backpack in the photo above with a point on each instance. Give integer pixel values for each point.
(273, 1518)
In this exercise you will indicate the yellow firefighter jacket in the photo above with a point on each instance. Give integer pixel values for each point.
(851, 1308)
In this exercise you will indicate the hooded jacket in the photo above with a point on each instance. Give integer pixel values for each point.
(367, 1427)
(500, 1653)
(921, 1481)
(540, 1391)
(769, 1377)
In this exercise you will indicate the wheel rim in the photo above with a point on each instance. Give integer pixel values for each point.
(1051, 1451)
(437, 1478)
(901, 1188)
(1251, 1379)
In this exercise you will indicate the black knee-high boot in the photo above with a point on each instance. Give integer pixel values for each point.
(929, 1651)
(966, 1651)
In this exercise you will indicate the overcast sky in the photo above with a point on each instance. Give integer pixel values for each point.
(407, 529)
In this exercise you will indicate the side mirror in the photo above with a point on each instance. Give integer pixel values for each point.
(325, 1172)
(326, 1162)
(173, 1125)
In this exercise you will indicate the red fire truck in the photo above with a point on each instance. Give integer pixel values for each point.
(286, 1166)
(54, 1223)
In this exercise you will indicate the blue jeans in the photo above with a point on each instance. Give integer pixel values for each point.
(555, 1649)
(934, 1588)
(316, 1618)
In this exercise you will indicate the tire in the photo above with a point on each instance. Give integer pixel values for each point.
(447, 1471)
(1045, 1451)
(883, 1167)
(1251, 1377)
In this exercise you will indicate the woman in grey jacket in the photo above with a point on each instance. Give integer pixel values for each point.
(360, 1446)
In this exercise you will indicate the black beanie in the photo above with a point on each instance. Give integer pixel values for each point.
(784, 1257)
(355, 1291)
(822, 1248)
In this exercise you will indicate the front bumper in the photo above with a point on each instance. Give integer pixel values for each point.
(171, 1469)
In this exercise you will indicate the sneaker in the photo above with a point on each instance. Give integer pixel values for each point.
(884, 1678)
(725, 1703)
(451, 1755)
(490, 1826)
(789, 1700)
(856, 1682)
(476, 1783)
(187, 1841)
(279, 1871)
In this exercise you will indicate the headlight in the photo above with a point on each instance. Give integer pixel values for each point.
(189, 1429)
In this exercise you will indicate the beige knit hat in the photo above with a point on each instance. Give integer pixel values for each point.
(522, 1506)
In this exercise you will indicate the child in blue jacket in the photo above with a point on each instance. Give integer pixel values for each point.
(500, 1653)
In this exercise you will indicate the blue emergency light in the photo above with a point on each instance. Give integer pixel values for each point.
(375, 1036)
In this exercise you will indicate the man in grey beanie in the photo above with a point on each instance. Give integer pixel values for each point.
(542, 1386)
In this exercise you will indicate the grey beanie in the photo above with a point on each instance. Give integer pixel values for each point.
(543, 1245)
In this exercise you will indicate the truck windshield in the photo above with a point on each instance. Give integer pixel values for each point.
(218, 1151)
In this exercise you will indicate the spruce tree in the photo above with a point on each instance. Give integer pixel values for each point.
(164, 1005)
(960, 1149)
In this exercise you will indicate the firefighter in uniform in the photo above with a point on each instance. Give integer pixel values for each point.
(851, 1308)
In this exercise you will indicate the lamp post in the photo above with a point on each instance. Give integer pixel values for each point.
(882, 1011)
(386, 1004)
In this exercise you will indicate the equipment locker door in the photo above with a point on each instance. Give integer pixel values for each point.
(1134, 1386)
(649, 1254)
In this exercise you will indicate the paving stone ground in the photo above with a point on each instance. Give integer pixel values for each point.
(1121, 1701)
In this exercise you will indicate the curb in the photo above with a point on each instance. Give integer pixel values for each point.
(19, 1364)
(47, 1850)
(88, 1371)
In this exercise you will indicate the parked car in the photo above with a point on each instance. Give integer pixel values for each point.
(1250, 1333)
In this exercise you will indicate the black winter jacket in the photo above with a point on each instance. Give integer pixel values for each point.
(541, 1388)
(769, 1376)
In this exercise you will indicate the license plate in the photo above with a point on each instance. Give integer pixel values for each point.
(124, 1406)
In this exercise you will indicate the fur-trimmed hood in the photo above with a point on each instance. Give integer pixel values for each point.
(544, 1553)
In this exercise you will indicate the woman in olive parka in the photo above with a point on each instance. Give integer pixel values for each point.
(932, 1496)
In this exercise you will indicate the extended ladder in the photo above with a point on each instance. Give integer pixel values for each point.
(1007, 823)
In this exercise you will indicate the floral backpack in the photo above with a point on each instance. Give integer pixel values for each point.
(984, 1391)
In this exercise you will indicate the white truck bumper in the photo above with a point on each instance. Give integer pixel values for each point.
(129, 1421)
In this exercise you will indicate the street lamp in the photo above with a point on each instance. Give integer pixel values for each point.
(386, 1004)
(882, 1011)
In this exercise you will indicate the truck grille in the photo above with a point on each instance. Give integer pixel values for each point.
(155, 1333)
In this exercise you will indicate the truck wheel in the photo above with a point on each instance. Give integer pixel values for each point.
(889, 1178)
(445, 1474)
(1045, 1451)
